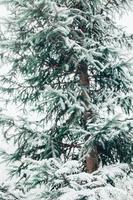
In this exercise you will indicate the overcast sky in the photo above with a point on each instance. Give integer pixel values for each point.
(127, 22)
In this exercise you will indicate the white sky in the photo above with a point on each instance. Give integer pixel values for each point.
(126, 21)
(3, 11)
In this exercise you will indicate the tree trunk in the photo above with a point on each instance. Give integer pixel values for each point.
(92, 157)
(92, 161)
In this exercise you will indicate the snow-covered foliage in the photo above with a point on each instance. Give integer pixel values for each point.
(73, 85)
(68, 182)
(7, 193)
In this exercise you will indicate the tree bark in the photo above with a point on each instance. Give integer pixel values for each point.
(92, 161)
(91, 158)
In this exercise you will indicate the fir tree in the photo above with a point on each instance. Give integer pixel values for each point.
(70, 78)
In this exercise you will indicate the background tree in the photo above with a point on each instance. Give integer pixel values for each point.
(70, 78)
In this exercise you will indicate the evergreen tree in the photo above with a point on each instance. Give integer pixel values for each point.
(69, 76)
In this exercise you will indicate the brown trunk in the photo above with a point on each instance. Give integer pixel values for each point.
(92, 157)
(83, 75)
(92, 161)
